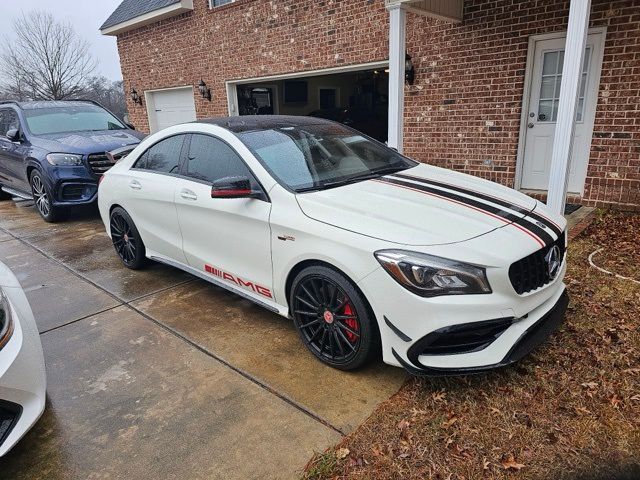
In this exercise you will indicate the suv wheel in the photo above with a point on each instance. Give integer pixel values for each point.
(333, 318)
(42, 199)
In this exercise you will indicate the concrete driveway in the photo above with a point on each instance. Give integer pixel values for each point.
(156, 374)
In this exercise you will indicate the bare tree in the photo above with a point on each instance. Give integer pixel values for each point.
(109, 94)
(46, 61)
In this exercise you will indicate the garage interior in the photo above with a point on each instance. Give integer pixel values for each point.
(359, 99)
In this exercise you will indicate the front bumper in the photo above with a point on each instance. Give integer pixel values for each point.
(498, 328)
(22, 374)
(72, 185)
(536, 333)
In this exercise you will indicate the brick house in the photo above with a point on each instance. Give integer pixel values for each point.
(485, 99)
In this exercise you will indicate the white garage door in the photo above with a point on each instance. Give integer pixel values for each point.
(170, 107)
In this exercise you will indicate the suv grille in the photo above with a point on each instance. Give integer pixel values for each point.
(532, 272)
(100, 163)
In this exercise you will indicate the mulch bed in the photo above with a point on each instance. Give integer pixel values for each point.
(569, 410)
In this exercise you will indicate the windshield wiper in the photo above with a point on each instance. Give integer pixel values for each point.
(356, 178)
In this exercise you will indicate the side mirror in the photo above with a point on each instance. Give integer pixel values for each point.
(13, 134)
(233, 187)
(126, 119)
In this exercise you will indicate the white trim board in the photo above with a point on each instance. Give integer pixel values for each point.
(526, 94)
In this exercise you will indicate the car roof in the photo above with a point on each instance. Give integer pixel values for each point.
(34, 105)
(249, 123)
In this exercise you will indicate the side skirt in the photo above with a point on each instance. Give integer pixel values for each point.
(216, 282)
(17, 193)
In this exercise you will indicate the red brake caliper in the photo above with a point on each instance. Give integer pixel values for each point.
(352, 323)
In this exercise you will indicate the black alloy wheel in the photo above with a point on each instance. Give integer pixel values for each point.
(42, 198)
(332, 318)
(126, 239)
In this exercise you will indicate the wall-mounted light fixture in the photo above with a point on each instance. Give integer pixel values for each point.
(204, 90)
(409, 70)
(137, 99)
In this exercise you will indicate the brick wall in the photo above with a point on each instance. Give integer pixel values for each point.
(463, 111)
(247, 39)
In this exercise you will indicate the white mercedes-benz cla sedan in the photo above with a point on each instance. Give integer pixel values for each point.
(366, 250)
(23, 380)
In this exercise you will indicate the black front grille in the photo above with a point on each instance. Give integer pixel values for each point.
(100, 163)
(532, 272)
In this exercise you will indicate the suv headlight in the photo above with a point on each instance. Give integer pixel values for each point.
(6, 321)
(64, 159)
(431, 276)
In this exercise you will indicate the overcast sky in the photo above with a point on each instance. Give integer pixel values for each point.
(86, 16)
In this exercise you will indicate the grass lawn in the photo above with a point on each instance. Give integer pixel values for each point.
(569, 410)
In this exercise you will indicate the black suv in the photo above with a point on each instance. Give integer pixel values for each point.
(55, 152)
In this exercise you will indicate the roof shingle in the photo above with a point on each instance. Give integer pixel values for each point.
(130, 9)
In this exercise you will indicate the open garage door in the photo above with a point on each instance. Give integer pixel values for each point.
(170, 107)
(356, 96)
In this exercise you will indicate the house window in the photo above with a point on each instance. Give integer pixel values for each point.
(219, 3)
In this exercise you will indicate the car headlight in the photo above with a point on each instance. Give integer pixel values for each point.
(6, 321)
(431, 276)
(64, 159)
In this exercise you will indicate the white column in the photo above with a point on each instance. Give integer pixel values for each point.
(397, 53)
(565, 125)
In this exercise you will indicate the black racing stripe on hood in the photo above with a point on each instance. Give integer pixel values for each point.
(510, 217)
(488, 198)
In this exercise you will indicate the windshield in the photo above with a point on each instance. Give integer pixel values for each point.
(313, 157)
(76, 118)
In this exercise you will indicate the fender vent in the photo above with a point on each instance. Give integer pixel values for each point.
(9, 415)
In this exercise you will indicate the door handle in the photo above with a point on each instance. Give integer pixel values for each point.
(188, 194)
(531, 125)
(135, 185)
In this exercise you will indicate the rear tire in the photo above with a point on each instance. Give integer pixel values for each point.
(126, 239)
(333, 318)
(42, 198)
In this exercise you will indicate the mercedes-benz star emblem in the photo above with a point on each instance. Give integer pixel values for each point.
(554, 261)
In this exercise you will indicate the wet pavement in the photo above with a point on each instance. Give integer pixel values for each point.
(156, 374)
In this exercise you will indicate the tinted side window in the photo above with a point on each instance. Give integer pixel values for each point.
(8, 120)
(164, 156)
(211, 159)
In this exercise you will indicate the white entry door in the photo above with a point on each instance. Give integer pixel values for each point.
(170, 107)
(546, 77)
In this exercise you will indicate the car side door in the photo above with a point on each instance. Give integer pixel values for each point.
(12, 167)
(151, 185)
(226, 238)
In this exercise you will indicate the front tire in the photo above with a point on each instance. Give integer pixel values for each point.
(42, 198)
(333, 318)
(126, 239)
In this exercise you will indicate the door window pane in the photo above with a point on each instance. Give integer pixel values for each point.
(163, 157)
(549, 97)
(550, 63)
(211, 159)
(8, 120)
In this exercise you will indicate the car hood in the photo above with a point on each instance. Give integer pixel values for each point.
(424, 205)
(87, 142)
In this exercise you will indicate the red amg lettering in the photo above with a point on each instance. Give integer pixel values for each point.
(247, 284)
